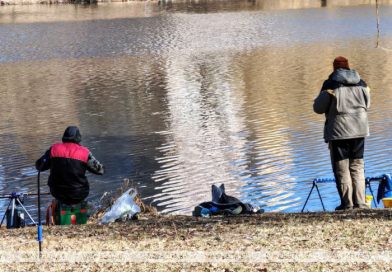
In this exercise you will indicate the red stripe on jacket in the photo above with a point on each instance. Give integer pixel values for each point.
(69, 151)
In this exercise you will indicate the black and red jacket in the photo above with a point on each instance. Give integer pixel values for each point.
(68, 162)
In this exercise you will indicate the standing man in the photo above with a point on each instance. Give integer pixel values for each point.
(345, 99)
(68, 162)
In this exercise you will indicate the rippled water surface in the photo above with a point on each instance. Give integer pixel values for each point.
(179, 97)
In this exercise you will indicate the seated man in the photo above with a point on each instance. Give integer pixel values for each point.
(68, 162)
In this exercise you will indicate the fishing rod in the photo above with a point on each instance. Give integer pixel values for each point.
(39, 227)
(19, 194)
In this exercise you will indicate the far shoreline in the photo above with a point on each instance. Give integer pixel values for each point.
(263, 4)
(68, 2)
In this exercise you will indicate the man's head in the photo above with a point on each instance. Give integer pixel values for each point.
(72, 135)
(340, 62)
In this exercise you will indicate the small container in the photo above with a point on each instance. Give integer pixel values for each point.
(387, 201)
(70, 214)
(214, 210)
(18, 219)
(369, 200)
(205, 212)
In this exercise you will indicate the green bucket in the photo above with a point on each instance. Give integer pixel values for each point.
(71, 214)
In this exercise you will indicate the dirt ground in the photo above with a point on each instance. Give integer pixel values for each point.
(340, 241)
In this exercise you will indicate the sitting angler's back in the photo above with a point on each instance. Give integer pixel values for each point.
(68, 162)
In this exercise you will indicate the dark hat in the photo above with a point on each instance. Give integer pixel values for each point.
(72, 135)
(340, 62)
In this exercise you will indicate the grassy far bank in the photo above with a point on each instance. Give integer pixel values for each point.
(355, 240)
(265, 4)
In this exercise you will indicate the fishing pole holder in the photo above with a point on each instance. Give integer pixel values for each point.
(332, 180)
(15, 212)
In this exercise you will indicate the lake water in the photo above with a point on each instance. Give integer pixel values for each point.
(180, 96)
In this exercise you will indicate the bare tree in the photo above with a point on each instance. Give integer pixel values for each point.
(378, 24)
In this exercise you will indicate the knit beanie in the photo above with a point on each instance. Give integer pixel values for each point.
(340, 62)
(72, 135)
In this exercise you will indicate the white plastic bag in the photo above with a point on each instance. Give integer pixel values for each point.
(124, 206)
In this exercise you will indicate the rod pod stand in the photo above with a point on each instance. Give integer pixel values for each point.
(16, 200)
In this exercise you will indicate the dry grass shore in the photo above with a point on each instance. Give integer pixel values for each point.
(340, 241)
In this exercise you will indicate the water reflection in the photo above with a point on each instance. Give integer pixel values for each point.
(206, 138)
(179, 101)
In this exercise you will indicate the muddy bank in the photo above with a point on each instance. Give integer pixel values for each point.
(341, 241)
